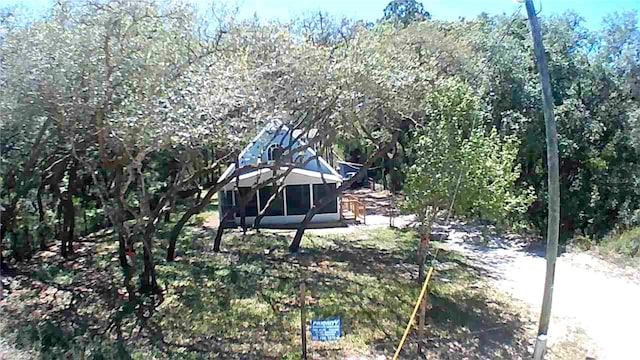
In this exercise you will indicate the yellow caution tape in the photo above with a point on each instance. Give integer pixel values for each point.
(413, 315)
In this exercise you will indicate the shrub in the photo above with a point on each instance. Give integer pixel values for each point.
(581, 242)
(626, 243)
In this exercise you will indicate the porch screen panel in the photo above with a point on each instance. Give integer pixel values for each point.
(252, 206)
(320, 192)
(226, 201)
(277, 206)
(298, 202)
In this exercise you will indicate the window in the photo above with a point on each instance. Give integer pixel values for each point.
(274, 152)
(298, 202)
(226, 201)
(251, 208)
(320, 192)
(277, 206)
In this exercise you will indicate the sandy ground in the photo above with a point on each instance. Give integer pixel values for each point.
(590, 294)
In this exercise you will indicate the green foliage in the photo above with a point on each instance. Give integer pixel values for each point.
(405, 12)
(625, 242)
(581, 242)
(455, 157)
(592, 77)
(134, 100)
(243, 303)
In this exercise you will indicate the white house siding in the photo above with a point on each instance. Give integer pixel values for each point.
(296, 177)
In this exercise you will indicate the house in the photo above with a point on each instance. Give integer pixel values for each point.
(309, 180)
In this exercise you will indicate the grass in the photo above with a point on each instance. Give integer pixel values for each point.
(625, 243)
(243, 302)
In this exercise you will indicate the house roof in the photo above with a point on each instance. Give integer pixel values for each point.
(296, 176)
(278, 125)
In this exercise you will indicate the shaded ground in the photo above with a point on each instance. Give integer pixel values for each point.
(242, 303)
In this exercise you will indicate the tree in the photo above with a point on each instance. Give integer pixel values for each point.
(111, 96)
(460, 167)
(405, 12)
(590, 80)
(378, 85)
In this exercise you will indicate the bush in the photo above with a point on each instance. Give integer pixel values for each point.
(581, 242)
(626, 243)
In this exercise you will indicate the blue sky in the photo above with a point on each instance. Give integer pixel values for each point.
(591, 10)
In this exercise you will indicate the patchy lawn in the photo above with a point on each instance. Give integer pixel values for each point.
(243, 302)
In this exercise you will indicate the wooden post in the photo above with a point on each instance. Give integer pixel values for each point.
(421, 320)
(392, 209)
(553, 226)
(540, 347)
(364, 216)
(303, 321)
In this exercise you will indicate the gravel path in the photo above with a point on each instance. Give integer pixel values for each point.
(589, 294)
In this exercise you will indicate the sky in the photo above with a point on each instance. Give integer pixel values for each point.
(591, 10)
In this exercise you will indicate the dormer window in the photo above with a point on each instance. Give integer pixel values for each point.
(274, 152)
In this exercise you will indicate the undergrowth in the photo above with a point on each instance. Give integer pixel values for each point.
(626, 243)
(242, 303)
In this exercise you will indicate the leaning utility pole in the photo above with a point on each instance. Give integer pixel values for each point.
(553, 226)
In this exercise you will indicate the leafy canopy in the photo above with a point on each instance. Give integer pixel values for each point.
(405, 12)
(458, 160)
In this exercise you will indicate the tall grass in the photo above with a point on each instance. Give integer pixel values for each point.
(625, 242)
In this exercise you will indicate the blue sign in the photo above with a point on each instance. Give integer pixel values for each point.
(326, 329)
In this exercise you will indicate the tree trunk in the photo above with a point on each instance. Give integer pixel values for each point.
(27, 242)
(421, 257)
(20, 241)
(84, 220)
(167, 215)
(42, 234)
(243, 219)
(128, 268)
(148, 282)
(424, 232)
(9, 231)
(58, 225)
(216, 244)
(261, 214)
(177, 228)
(68, 224)
(297, 239)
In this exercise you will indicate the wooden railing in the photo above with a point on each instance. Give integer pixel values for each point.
(352, 207)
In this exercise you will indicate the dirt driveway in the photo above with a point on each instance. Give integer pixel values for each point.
(591, 296)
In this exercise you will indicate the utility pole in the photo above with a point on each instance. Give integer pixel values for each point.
(553, 226)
